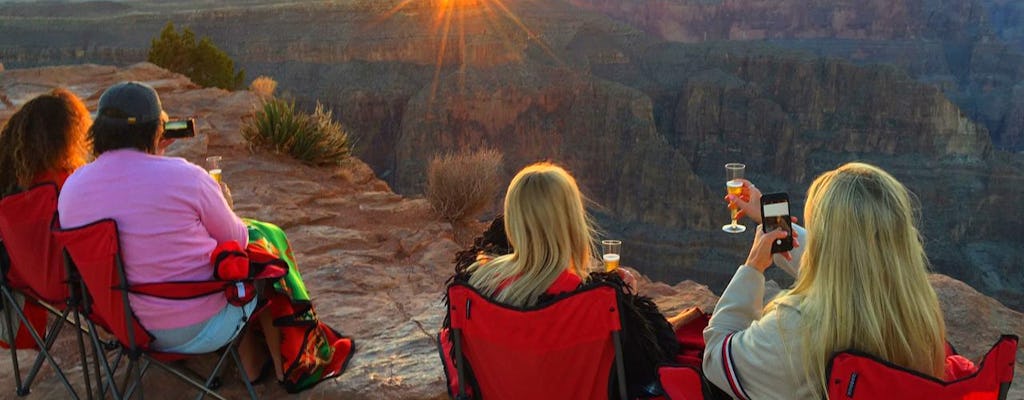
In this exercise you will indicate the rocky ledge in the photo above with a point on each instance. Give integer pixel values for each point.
(374, 261)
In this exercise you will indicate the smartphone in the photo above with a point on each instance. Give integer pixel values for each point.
(775, 215)
(177, 129)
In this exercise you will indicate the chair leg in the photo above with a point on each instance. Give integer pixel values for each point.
(212, 382)
(8, 305)
(44, 355)
(198, 385)
(129, 385)
(99, 352)
(139, 371)
(84, 356)
(117, 394)
(241, 369)
(620, 369)
(214, 374)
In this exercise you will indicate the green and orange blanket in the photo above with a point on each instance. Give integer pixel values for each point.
(311, 351)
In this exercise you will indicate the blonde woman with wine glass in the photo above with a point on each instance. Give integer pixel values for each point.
(862, 284)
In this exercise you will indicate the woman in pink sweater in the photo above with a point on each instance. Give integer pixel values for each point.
(170, 215)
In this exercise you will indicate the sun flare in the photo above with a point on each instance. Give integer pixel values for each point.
(448, 23)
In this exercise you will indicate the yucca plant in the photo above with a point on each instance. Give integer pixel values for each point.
(314, 139)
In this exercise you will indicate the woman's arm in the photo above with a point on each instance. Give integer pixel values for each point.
(216, 215)
(734, 336)
(739, 306)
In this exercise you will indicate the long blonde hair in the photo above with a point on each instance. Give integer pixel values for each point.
(549, 230)
(864, 276)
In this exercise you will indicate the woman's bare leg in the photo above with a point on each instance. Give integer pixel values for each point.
(252, 353)
(273, 337)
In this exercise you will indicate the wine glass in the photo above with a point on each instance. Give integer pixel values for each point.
(733, 174)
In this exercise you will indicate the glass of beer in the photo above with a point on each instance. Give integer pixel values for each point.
(610, 254)
(733, 174)
(213, 165)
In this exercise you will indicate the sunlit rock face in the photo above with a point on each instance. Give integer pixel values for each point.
(376, 262)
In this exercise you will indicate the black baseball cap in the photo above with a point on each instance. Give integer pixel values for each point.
(133, 102)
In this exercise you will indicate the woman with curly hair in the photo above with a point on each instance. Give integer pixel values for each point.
(44, 141)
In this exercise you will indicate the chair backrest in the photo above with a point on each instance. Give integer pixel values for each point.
(564, 350)
(855, 375)
(93, 252)
(36, 265)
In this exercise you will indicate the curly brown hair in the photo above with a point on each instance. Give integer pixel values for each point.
(48, 133)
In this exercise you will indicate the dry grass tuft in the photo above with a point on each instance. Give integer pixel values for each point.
(263, 86)
(461, 185)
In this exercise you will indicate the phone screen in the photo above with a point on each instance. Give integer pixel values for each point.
(775, 215)
(178, 129)
(176, 125)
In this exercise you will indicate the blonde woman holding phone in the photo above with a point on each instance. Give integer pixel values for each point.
(862, 283)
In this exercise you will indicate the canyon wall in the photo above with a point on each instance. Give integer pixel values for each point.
(973, 50)
(645, 124)
(376, 263)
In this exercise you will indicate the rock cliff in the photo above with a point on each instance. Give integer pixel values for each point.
(973, 50)
(645, 124)
(375, 262)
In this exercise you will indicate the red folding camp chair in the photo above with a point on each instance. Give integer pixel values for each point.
(93, 251)
(564, 350)
(683, 379)
(681, 383)
(35, 271)
(856, 375)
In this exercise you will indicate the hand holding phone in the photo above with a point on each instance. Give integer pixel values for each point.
(775, 215)
(178, 129)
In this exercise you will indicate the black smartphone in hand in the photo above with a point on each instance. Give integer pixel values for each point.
(178, 129)
(775, 215)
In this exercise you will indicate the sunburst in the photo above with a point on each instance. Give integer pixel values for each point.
(449, 19)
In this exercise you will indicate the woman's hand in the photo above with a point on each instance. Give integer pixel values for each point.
(628, 278)
(162, 145)
(684, 317)
(760, 257)
(749, 202)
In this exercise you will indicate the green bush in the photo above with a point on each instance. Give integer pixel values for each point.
(461, 185)
(314, 139)
(201, 61)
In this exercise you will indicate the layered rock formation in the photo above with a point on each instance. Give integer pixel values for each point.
(973, 50)
(644, 124)
(700, 20)
(375, 262)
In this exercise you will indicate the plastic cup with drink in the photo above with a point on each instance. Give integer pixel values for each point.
(610, 254)
(213, 166)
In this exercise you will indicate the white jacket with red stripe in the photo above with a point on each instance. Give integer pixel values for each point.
(753, 356)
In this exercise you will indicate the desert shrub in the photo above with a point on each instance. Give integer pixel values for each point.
(263, 86)
(314, 139)
(461, 185)
(201, 61)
